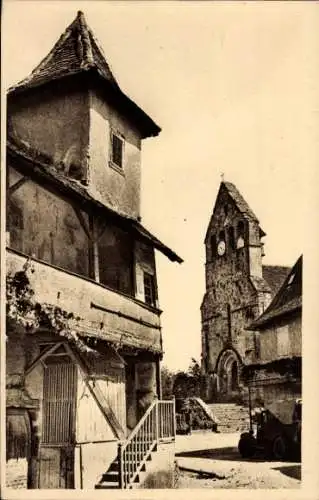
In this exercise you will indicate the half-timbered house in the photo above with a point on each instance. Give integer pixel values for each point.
(84, 339)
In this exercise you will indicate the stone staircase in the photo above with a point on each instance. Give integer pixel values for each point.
(232, 417)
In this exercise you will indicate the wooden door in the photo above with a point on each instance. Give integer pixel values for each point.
(58, 428)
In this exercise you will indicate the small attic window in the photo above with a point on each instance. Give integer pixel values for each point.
(117, 147)
(291, 279)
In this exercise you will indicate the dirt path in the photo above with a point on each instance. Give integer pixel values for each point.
(218, 464)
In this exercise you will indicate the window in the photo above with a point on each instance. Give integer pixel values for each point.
(149, 289)
(250, 313)
(15, 224)
(117, 150)
(222, 235)
(291, 279)
(213, 246)
(115, 254)
(231, 237)
(283, 341)
(240, 235)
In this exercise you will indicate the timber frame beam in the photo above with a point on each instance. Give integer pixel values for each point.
(49, 350)
(17, 185)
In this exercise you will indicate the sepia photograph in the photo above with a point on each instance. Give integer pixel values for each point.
(157, 166)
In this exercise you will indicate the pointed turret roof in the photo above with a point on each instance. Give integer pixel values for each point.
(77, 51)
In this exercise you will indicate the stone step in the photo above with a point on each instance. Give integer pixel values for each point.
(231, 416)
(110, 477)
(106, 486)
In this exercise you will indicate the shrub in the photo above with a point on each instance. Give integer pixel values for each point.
(159, 480)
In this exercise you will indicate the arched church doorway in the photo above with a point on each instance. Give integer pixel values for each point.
(228, 372)
(234, 376)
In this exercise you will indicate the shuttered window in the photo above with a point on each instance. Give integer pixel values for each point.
(283, 348)
(59, 393)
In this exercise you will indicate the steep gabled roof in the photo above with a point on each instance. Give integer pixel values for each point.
(287, 300)
(275, 276)
(238, 200)
(77, 51)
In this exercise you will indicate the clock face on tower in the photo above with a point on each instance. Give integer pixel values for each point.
(221, 248)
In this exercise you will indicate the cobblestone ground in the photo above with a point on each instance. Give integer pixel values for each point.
(213, 461)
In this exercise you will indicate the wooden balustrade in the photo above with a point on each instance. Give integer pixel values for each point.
(157, 424)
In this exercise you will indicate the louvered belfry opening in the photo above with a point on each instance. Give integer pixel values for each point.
(59, 400)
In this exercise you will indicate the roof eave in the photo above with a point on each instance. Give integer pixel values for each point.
(262, 323)
(165, 250)
(41, 171)
(142, 120)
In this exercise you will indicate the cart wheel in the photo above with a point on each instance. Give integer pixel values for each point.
(247, 445)
(279, 448)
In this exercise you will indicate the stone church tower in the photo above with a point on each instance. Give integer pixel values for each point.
(238, 289)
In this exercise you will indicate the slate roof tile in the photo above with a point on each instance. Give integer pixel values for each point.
(75, 50)
(287, 299)
(275, 276)
(240, 202)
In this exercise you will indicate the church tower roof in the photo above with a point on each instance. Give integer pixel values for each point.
(76, 52)
(238, 199)
(242, 206)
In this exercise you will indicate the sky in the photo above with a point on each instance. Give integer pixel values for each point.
(233, 87)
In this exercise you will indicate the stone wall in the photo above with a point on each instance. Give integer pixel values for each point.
(234, 294)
